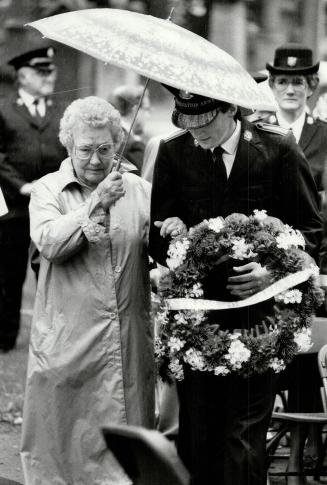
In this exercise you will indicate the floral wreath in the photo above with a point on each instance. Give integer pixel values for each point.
(185, 336)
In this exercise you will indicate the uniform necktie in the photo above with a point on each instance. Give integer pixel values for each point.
(220, 168)
(37, 115)
(218, 182)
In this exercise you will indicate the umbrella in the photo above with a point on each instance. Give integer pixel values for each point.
(157, 49)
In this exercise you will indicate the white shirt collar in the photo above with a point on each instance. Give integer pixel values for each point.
(231, 144)
(296, 126)
(28, 99)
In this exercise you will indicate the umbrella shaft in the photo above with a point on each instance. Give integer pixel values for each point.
(119, 155)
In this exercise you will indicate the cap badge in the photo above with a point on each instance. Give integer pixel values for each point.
(247, 135)
(185, 95)
(291, 61)
(272, 119)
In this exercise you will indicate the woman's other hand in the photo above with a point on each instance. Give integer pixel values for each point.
(172, 226)
(111, 189)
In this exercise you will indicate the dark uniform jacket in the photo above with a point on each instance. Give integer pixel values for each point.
(28, 150)
(313, 142)
(269, 172)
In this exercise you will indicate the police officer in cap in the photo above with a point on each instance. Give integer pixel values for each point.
(29, 149)
(216, 165)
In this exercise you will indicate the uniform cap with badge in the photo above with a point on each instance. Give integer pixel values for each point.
(192, 110)
(293, 59)
(39, 59)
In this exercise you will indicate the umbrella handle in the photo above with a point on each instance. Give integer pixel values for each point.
(121, 151)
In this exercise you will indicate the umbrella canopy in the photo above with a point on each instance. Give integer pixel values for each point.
(157, 49)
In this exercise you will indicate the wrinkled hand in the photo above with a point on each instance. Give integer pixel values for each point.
(172, 226)
(252, 278)
(110, 189)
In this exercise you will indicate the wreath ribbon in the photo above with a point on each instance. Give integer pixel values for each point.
(274, 289)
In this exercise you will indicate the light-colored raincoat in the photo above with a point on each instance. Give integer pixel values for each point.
(91, 352)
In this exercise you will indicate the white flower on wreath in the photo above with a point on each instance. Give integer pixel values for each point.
(177, 252)
(216, 224)
(175, 344)
(221, 370)
(291, 237)
(289, 296)
(180, 318)
(161, 318)
(195, 359)
(195, 292)
(277, 365)
(302, 339)
(242, 250)
(196, 316)
(159, 347)
(176, 369)
(237, 354)
(315, 270)
(260, 215)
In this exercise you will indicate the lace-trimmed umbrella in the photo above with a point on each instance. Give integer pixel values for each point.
(157, 49)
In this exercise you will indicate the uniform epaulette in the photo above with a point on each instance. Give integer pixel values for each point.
(319, 121)
(174, 135)
(279, 130)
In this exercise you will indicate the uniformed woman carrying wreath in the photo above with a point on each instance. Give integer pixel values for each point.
(216, 166)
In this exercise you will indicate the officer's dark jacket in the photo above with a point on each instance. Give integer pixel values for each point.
(28, 150)
(269, 172)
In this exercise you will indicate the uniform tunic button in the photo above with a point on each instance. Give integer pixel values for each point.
(117, 269)
(112, 315)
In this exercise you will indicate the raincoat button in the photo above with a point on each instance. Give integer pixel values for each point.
(112, 315)
(118, 269)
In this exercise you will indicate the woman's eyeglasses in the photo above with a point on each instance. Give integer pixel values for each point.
(282, 83)
(104, 151)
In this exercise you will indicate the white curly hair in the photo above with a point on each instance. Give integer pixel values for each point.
(92, 111)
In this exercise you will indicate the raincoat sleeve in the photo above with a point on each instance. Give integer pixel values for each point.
(58, 235)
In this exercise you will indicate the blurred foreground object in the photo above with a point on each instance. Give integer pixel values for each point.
(147, 456)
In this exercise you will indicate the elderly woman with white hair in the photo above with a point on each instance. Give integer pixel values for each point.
(91, 352)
